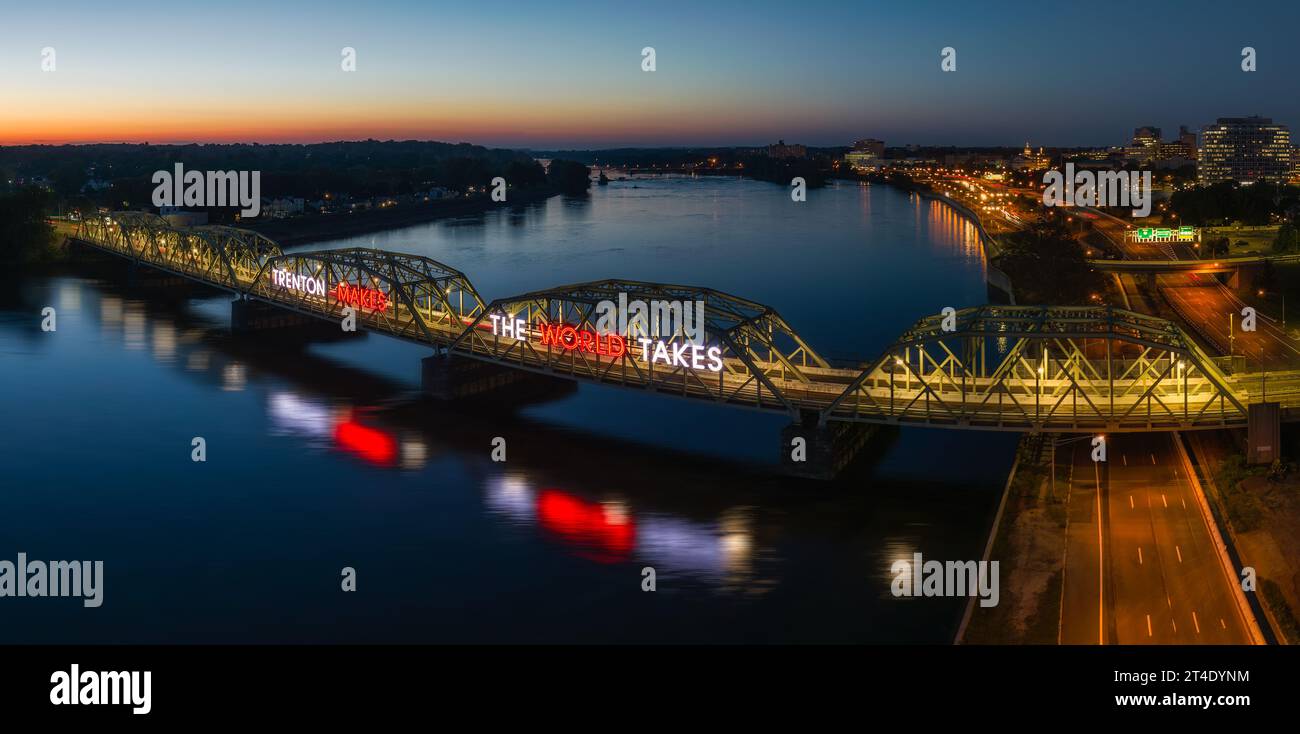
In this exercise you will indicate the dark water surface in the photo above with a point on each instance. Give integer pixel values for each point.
(324, 456)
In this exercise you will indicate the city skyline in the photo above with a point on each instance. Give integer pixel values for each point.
(569, 75)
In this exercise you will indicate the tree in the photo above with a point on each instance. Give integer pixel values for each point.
(1047, 266)
(1288, 239)
(526, 174)
(1216, 247)
(1227, 202)
(570, 177)
(25, 236)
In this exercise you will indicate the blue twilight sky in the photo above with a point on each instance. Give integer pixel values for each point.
(556, 73)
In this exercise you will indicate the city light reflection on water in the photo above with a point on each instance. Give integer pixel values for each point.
(611, 530)
(324, 456)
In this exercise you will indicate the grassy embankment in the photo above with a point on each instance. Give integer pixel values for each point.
(1262, 513)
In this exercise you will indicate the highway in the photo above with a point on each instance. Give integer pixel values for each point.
(1207, 305)
(1141, 565)
(1150, 574)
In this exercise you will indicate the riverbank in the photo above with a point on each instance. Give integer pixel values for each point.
(319, 227)
(992, 247)
(1000, 285)
(1028, 542)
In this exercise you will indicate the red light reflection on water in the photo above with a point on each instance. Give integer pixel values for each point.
(607, 533)
(371, 444)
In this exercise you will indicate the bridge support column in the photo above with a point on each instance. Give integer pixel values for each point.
(1264, 433)
(449, 377)
(824, 450)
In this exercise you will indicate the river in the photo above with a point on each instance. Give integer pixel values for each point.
(323, 457)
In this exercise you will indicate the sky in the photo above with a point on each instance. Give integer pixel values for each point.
(565, 74)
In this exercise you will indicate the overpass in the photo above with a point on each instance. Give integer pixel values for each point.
(1221, 265)
(1010, 368)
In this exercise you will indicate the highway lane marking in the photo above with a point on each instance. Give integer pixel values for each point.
(1149, 632)
(1164, 500)
(1124, 457)
(1153, 459)
(1267, 320)
(1175, 624)
(1101, 562)
(1139, 555)
(1130, 502)
(1184, 500)
(1223, 623)
(1180, 553)
(1196, 622)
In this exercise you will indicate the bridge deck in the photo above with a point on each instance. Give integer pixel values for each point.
(995, 368)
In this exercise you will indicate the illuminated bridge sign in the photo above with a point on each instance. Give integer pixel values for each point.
(1013, 368)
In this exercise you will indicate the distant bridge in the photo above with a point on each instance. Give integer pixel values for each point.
(1013, 368)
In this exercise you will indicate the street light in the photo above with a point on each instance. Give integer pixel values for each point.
(1282, 294)
(1230, 335)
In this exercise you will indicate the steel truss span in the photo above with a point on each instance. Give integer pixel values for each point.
(1045, 368)
(225, 257)
(763, 363)
(422, 299)
(1015, 368)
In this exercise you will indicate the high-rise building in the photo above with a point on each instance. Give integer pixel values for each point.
(870, 145)
(1145, 145)
(1146, 135)
(1187, 139)
(1245, 150)
(866, 155)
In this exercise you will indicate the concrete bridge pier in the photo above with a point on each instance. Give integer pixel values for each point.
(1243, 278)
(825, 450)
(450, 377)
(1263, 433)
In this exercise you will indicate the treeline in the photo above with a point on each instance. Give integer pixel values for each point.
(25, 236)
(640, 157)
(1228, 203)
(570, 177)
(782, 170)
(746, 162)
(362, 169)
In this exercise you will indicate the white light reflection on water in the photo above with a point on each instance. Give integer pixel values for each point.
(719, 552)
